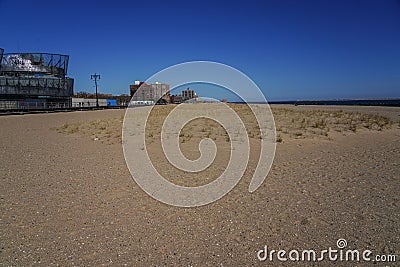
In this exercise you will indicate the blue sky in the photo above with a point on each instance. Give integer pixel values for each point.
(290, 49)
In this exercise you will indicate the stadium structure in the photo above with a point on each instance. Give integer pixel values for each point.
(34, 81)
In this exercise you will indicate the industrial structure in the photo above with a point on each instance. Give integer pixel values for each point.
(1, 54)
(34, 81)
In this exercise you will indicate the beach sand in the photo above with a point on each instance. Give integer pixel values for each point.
(67, 197)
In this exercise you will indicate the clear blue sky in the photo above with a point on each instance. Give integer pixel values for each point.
(291, 49)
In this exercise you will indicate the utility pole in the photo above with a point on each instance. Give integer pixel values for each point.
(96, 77)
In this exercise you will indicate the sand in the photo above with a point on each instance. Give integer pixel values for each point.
(67, 197)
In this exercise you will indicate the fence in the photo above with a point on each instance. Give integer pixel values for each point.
(32, 104)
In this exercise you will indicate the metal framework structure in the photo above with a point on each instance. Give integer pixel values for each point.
(34, 63)
(1, 55)
(37, 79)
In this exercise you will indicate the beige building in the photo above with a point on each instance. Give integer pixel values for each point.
(142, 91)
(188, 94)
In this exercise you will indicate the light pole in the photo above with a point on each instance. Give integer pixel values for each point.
(95, 77)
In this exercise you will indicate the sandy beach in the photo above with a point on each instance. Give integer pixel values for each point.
(67, 197)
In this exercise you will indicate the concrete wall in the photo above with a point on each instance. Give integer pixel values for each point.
(87, 102)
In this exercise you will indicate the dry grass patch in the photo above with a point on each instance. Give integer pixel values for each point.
(293, 124)
(105, 130)
(290, 124)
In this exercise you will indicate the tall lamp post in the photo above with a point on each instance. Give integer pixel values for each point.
(96, 77)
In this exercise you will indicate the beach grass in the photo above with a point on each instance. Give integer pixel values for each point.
(290, 124)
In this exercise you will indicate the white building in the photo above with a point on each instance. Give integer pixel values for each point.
(87, 102)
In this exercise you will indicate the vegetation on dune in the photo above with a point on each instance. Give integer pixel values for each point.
(107, 130)
(290, 124)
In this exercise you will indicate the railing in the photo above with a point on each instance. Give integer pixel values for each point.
(28, 105)
(31, 108)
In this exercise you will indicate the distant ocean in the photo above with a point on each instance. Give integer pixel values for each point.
(363, 102)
